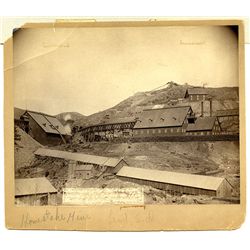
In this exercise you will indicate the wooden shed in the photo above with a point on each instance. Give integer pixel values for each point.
(177, 183)
(35, 191)
(112, 165)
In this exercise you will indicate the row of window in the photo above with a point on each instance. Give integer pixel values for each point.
(159, 131)
(203, 133)
(197, 97)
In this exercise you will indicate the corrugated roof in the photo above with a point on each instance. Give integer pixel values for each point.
(49, 124)
(188, 180)
(83, 167)
(227, 112)
(167, 117)
(197, 91)
(31, 186)
(202, 123)
(92, 159)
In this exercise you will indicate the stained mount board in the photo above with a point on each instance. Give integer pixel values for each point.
(116, 217)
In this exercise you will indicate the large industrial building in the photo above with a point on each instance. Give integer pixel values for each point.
(177, 183)
(163, 122)
(44, 128)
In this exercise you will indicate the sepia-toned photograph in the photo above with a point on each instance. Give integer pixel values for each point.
(126, 115)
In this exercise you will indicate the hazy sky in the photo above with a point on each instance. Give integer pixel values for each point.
(90, 69)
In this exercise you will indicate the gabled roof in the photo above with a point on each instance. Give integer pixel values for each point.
(227, 112)
(31, 186)
(197, 91)
(18, 113)
(188, 180)
(202, 124)
(167, 117)
(91, 159)
(50, 124)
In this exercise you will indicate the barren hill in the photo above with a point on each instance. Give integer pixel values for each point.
(171, 95)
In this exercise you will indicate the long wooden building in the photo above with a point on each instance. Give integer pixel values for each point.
(177, 183)
(112, 165)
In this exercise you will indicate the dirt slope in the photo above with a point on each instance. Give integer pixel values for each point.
(24, 147)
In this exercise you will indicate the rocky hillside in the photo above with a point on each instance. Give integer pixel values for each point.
(171, 95)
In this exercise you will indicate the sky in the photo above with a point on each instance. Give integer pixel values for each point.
(87, 70)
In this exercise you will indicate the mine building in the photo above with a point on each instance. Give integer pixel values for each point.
(35, 191)
(45, 129)
(83, 171)
(196, 94)
(109, 130)
(177, 183)
(228, 115)
(108, 164)
(163, 122)
(204, 126)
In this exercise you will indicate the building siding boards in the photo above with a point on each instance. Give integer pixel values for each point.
(177, 182)
(196, 94)
(35, 191)
(37, 200)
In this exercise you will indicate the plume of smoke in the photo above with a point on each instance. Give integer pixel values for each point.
(68, 122)
(67, 117)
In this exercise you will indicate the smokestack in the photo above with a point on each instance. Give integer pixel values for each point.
(202, 109)
(211, 107)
